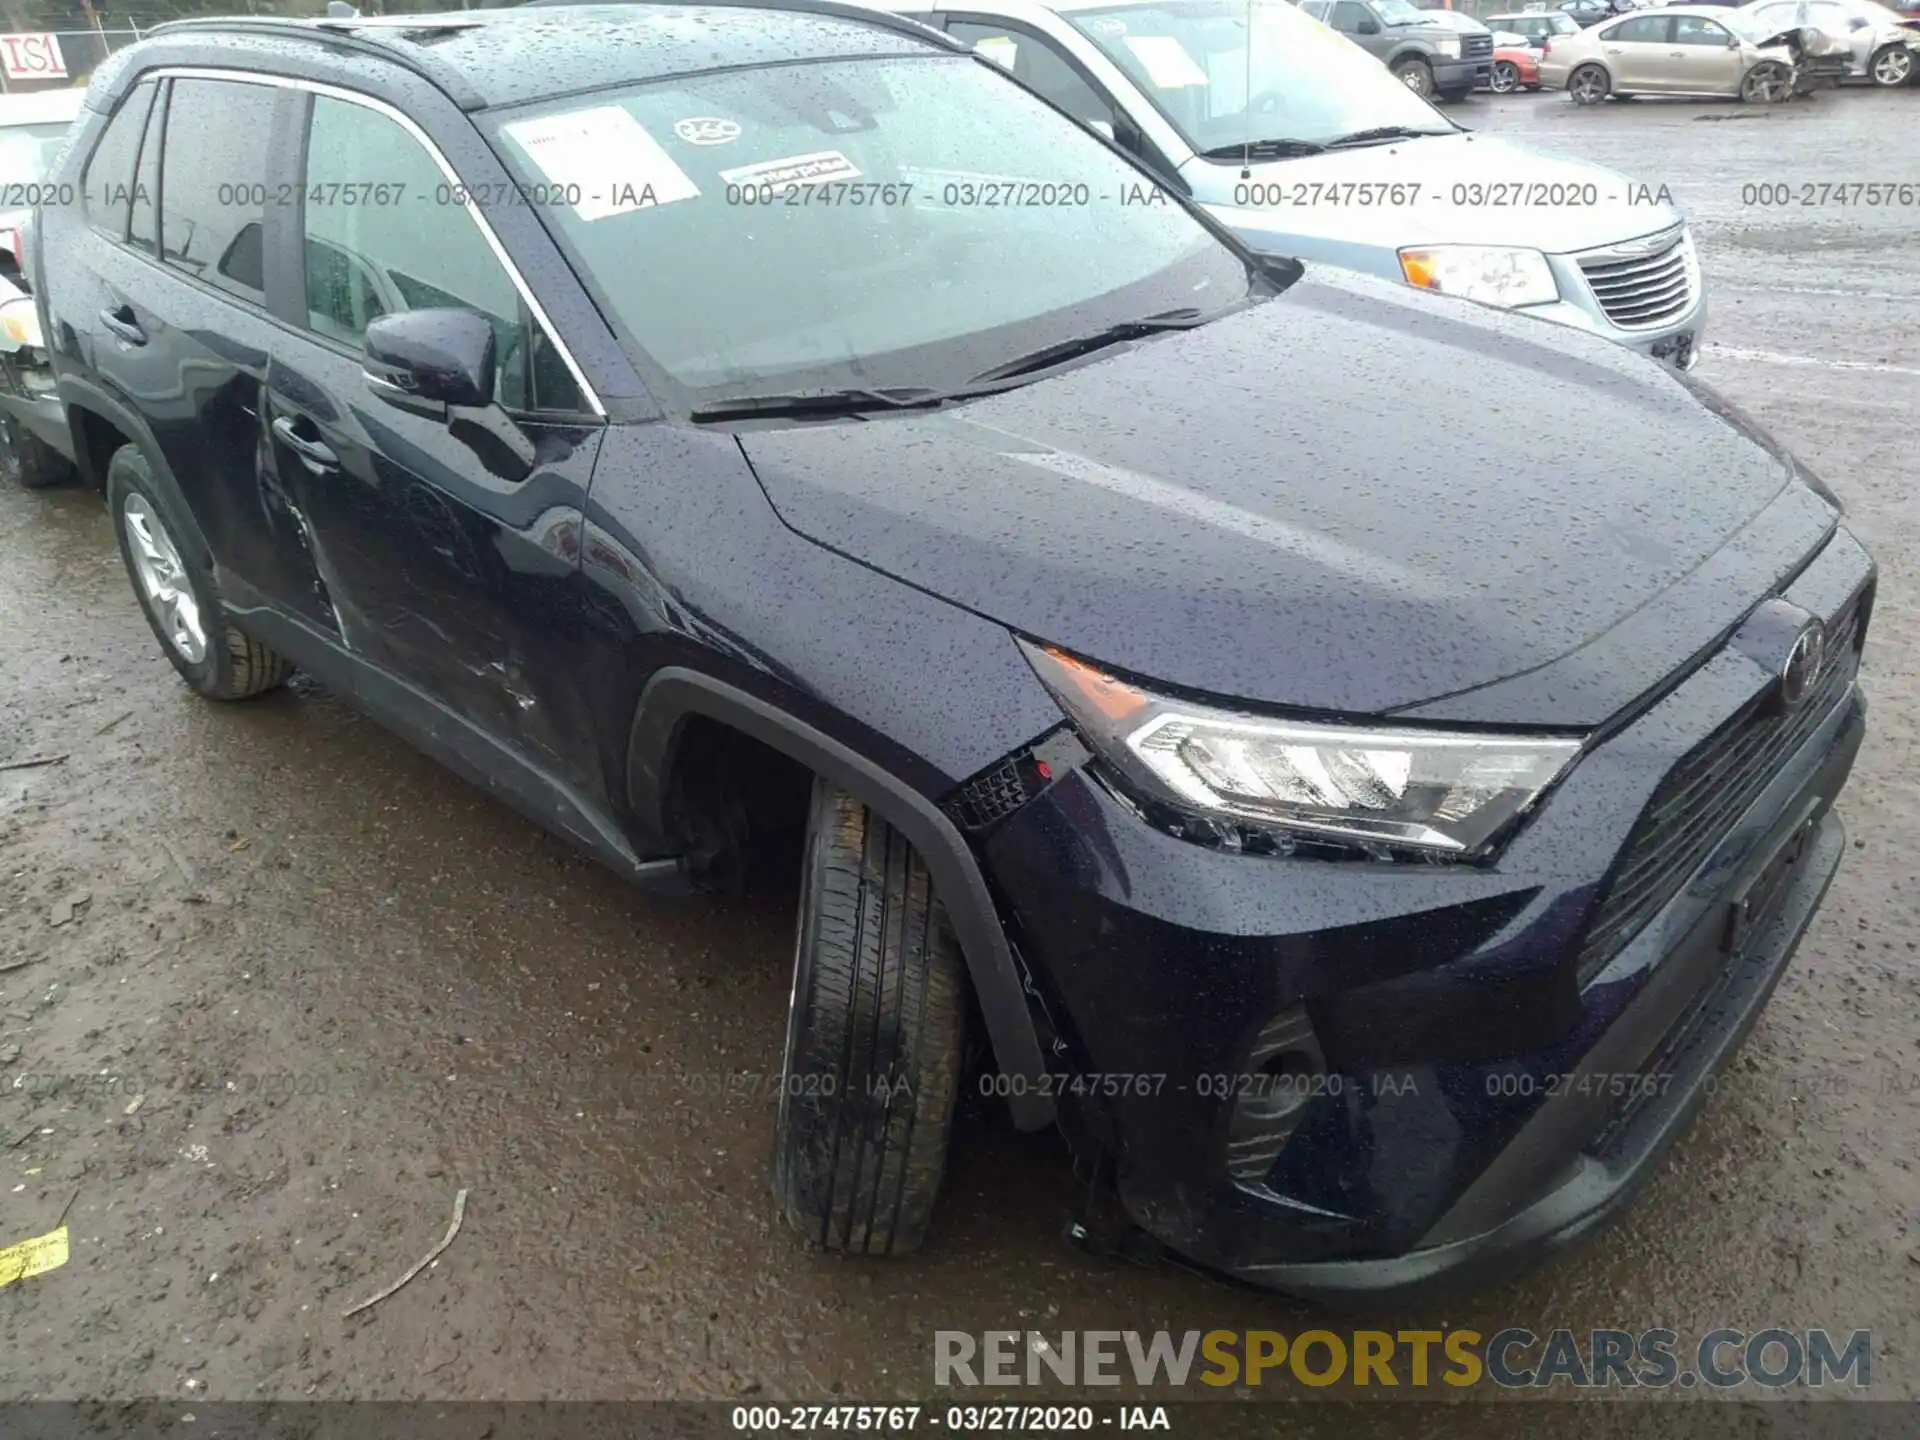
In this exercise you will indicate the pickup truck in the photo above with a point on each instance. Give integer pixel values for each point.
(1428, 58)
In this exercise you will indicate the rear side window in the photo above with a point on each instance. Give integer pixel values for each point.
(1646, 29)
(108, 181)
(214, 174)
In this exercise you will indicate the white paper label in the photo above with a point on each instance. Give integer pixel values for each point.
(608, 154)
(999, 49)
(818, 168)
(1168, 64)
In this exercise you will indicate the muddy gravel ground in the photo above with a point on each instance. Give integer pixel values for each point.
(273, 987)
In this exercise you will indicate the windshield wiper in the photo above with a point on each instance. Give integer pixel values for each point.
(826, 404)
(1051, 355)
(1283, 149)
(1379, 133)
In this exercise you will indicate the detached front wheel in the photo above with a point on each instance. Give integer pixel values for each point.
(1766, 84)
(875, 1026)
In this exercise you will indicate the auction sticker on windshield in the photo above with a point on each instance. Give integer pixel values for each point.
(608, 156)
(816, 169)
(1168, 64)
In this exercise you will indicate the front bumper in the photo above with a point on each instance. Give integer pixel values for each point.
(1462, 74)
(27, 395)
(1481, 1102)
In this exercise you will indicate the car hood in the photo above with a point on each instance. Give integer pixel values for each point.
(1299, 505)
(1555, 219)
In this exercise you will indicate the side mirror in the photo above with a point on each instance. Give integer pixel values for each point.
(427, 360)
(1858, 22)
(1369, 26)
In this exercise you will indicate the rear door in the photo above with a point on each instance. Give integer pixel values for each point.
(449, 545)
(1637, 53)
(179, 328)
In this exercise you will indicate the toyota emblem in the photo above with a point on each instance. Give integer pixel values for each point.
(1803, 663)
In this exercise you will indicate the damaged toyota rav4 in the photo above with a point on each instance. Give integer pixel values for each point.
(1363, 838)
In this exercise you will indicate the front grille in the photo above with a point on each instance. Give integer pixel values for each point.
(1476, 47)
(1705, 795)
(1640, 291)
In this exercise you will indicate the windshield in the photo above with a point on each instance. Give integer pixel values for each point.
(1301, 82)
(1400, 12)
(853, 223)
(27, 152)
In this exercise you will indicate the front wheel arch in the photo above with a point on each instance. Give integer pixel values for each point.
(676, 694)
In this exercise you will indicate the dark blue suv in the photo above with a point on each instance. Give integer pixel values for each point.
(744, 435)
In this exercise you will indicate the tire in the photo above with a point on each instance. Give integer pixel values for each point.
(1890, 67)
(1505, 79)
(875, 1030)
(1766, 84)
(177, 593)
(1589, 85)
(28, 460)
(1416, 75)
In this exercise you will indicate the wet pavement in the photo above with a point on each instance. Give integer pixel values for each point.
(273, 987)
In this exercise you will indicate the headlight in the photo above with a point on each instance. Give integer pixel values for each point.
(1448, 46)
(20, 324)
(1444, 793)
(1492, 273)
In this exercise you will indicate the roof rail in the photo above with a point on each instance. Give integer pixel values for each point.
(834, 9)
(342, 34)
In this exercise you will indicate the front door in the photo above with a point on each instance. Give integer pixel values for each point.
(448, 544)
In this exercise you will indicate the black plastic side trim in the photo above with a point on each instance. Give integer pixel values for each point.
(448, 737)
(675, 693)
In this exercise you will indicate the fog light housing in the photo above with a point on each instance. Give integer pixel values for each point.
(1284, 1072)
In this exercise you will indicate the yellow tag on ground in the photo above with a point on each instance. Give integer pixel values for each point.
(33, 1257)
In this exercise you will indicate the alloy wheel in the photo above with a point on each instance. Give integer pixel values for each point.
(1589, 87)
(1765, 85)
(163, 579)
(1893, 67)
(1506, 79)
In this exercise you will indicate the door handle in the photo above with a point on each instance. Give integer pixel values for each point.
(124, 324)
(316, 455)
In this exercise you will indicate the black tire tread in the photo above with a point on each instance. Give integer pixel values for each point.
(36, 464)
(884, 1005)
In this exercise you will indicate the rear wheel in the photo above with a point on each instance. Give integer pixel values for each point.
(875, 1027)
(1415, 74)
(1891, 66)
(1589, 85)
(28, 460)
(178, 594)
(1766, 84)
(1505, 78)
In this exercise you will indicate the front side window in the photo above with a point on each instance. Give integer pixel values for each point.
(214, 170)
(890, 221)
(385, 232)
(108, 181)
(1696, 30)
(1301, 81)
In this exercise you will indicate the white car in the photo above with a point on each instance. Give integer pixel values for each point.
(1883, 45)
(33, 127)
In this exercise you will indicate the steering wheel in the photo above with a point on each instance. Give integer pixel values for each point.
(1266, 102)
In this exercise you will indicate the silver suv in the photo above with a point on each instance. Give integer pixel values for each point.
(1309, 147)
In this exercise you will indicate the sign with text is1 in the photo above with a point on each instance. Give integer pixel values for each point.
(32, 57)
